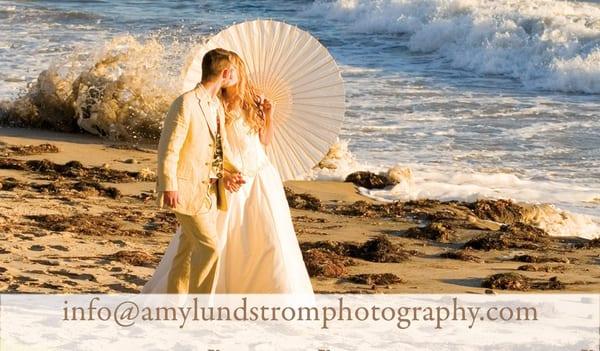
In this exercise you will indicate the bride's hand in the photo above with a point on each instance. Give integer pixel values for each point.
(233, 181)
(266, 130)
(267, 107)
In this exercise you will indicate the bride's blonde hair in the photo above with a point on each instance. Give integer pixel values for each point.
(242, 96)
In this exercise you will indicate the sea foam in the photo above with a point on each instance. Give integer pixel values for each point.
(551, 45)
(544, 199)
(121, 91)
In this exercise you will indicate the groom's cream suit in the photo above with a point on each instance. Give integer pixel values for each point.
(186, 152)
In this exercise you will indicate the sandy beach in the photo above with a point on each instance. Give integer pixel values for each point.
(77, 216)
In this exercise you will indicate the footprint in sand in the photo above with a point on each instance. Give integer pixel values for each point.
(70, 282)
(59, 247)
(24, 279)
(47, 285)
(122, 288)
(131, 278)
(46, 262)
(72, 275)
(25, 237)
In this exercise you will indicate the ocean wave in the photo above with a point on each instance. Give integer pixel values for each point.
(549, 45)
(36, 12)
(8, 10)
(544, 129)
(121, 92)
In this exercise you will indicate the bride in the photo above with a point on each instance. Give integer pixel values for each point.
(259, 251)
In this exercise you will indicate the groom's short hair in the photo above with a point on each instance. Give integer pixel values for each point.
(214, 62)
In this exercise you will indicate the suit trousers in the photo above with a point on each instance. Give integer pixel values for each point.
(194, 266)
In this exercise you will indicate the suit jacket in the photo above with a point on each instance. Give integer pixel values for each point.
(186, 151)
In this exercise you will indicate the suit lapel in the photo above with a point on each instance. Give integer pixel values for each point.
(203, 103)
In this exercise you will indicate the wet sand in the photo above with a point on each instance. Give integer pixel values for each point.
(78, 215)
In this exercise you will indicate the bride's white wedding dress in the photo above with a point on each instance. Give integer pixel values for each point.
(259, 251)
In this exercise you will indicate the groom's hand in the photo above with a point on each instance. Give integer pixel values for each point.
(170, 198)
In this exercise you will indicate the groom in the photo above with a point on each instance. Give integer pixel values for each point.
(193, 173)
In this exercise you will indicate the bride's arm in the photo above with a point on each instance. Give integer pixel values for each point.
(266, 132)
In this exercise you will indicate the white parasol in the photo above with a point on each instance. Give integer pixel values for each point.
(292, 69)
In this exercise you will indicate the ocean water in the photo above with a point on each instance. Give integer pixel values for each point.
(478, 99)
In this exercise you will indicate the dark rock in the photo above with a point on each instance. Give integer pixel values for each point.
(368, 180)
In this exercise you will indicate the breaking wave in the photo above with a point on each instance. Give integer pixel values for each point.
(549, 45)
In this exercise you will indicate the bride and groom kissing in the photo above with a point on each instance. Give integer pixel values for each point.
(234, 233)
